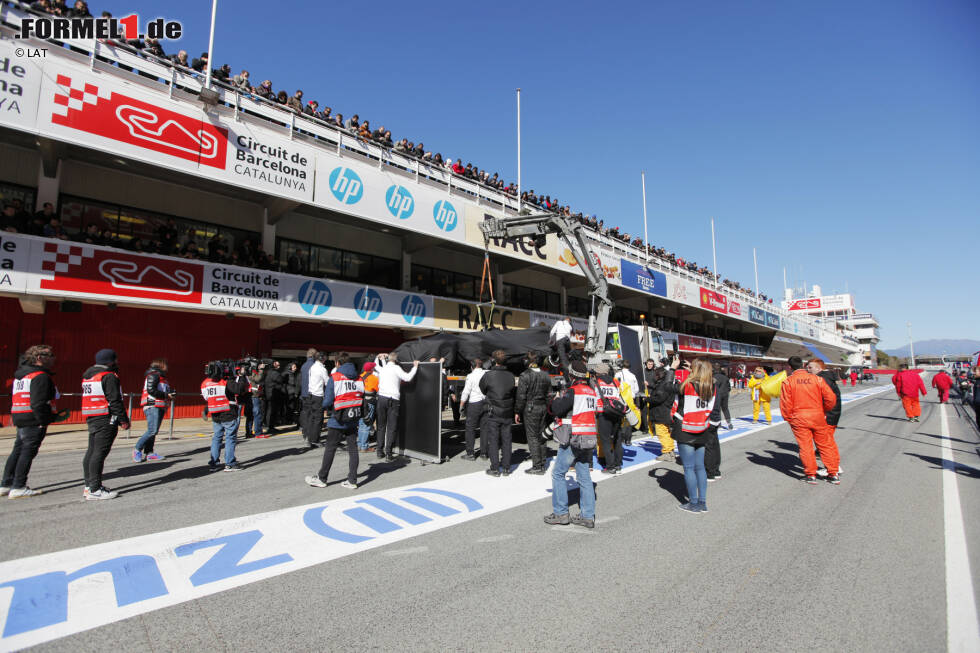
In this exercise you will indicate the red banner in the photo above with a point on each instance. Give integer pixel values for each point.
(714, 301)
(128, 120)
(714, 346)
(691, 343)
(734, 307)
(80, 268)
(805, 304)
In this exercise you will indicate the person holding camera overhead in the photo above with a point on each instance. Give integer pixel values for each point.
(221, 395)
(102, 406)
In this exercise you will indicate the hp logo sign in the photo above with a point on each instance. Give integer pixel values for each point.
(413, 309)
(401, 204)
(367, 303)
(445, 215)
(315, 297)
(345, 185)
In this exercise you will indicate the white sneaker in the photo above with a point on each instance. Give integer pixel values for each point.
(4, 491)
(101, 494)
(315, 481)
(23, 492)
(349, 485)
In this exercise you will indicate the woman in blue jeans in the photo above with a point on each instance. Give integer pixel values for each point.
(697, 418)
(157, 392)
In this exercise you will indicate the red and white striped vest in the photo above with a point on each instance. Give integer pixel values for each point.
(696, 410)
(94, 402)
(162, 386)
(22, 393)
(584, 408)
(214, 393)
(347, 393)
(607, 390)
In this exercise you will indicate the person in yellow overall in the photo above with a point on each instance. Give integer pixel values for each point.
(759, 398)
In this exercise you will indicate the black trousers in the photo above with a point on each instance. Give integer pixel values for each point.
(19, 461)
(724, 411)
(307, 405)
(612, 443)
(101, 435)
(334, 436)
(498, 437)
(712, 452)
(563, 347)
(387, 433)
(476, 417)
(273, 410)
(534, 422)
(454, 406)
(976, 413)
(314, 424)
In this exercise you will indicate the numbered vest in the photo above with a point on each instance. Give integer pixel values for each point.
(214, 393)
(584, 410)
(22, 393)
(94, 402)
(696, 410)
(607, 390)
(162, 385)
(347, 393)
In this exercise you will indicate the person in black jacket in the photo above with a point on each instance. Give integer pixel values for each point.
(498, 387)
(31, 412)
(105, 414)
(724, 392)
(533, 388)
(648, 372)
(156, 393)
(661, 399)
(712, 448)
(273, 397)
(817, 366)
(293, 388)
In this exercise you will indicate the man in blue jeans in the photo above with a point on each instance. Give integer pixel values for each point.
(221, 396)
(577, 408)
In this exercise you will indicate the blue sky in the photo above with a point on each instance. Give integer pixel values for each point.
(841, 139)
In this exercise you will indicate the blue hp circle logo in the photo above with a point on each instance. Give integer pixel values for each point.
(367, 303)
(401, 204)
(345, 185)
(413, 309)
(315, 297)
(445, 215)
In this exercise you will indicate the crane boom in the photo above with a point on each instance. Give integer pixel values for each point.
(539, 225)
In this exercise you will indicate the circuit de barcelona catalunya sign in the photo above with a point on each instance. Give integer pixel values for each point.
(66, 270)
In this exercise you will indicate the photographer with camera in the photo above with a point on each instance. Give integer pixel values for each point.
(102, 406)
(344, 396)
(156, 393)
(220, 390)
(273, 397)
(531, 407)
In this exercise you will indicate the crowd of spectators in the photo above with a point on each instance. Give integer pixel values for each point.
(381, 136)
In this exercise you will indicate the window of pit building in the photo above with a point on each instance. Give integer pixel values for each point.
(11, 192)
(531, 299)
(443, 283)
(128, 223)
(332, 263)
(579, 306)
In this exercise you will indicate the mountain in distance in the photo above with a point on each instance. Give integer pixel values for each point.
(937, 348)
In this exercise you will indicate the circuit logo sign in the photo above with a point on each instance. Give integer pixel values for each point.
(368, 304)
(400, 202)
(346, 185)
(47, 27)
(413, 309)
(445, 215)
(315, 297)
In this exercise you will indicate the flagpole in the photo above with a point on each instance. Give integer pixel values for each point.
(519, 202)
(646, 241)
(714, 256)
(755, 264)
(214, 12)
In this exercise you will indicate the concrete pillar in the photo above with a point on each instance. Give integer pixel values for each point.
(498, 282)
(563, 302)
(406, 270)
(268, 234)
(48, 187)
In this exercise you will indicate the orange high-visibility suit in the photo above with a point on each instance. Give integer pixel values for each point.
(803, 400)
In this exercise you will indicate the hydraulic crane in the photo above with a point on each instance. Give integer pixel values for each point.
(538, 226)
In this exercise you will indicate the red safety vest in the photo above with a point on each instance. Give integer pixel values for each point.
(214, 393)
(22, 393)
(162, 386)
(584, 408)
(347, 393)
(94, 402)
(696, 410)
(610, 390)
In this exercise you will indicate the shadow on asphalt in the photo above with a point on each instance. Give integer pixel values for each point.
(896, 419)
(898, 437)
(939, 463)
(786, 463)
(671, 481)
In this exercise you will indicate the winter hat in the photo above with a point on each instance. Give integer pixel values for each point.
(578, 370)
(368, 367)
(602, 368)
(105, 357)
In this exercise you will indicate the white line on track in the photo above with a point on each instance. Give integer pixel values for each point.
(495, 538)
(405, 552)
(607, 520)
(962, 629)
